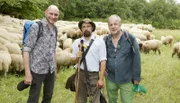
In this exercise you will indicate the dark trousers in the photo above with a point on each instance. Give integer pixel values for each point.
(38, 79)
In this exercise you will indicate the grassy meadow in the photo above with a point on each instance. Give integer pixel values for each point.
(160, 76)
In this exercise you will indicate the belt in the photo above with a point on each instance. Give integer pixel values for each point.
(89, 71)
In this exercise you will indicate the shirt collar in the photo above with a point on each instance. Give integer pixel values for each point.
(122, 37)
(45, 22)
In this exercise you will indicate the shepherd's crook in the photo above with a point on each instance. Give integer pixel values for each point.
(79, 64)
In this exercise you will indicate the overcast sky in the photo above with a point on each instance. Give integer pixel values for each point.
(178, 1)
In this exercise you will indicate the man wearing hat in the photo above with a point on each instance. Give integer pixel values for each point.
(95, 61)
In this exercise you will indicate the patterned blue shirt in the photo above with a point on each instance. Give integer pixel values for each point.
(42, 52)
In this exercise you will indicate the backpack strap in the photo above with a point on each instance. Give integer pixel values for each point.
(126, 34)
(40, 32)
(56, 31)
(106, 39)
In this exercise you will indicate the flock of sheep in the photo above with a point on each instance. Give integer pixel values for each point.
(11, 35)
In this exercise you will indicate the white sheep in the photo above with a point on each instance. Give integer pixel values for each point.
(176, 49)
(167, 39)
(67, 43)
(104, 30)
(3, 48)
(5, 62)
(78, 33)
(69, 50)
(63, 58)
(62, 39)
(71, 33)
(13, 48)
(140, 36)
(147, 34)
(58, 49)
(17, 64)
(3, 41)
(151, 45)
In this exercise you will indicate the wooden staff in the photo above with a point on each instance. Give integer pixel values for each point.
(78, 79)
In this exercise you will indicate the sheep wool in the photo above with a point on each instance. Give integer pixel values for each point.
(176, 49)
(5, 62)
(67, 43)
(167, 39)
(17, 62)
(13, 48)
(151, 45)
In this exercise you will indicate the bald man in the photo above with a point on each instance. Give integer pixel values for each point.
(39, 57)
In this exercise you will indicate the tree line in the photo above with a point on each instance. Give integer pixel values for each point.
(160, 13)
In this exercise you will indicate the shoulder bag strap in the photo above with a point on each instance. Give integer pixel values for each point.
(84, 53)
(85, 66)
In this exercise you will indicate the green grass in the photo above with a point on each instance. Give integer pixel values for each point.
(160, 76)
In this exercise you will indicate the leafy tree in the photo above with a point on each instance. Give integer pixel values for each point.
(159, 13)
(29, 9)
(138, 9)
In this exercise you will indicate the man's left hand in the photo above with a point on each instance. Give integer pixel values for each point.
(100, 84)
(136, 82)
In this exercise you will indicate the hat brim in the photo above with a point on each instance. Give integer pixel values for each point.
(81, 22)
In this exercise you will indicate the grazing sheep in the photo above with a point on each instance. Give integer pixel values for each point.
(17, 64)
(63, 58)
(13, 48)
(5, 62)
(3, 48)
(69, 50)
(147, 34)
(176, 49)
(5, 36)
(140, 43)
(78, 33)
(67, 43)
(3, 30)
(104, 30)
(3, 41)
(151, 45)
(98, 32)
(62, 38)
(167, 39)
(140, 36)
(71, 33)
(58, 49)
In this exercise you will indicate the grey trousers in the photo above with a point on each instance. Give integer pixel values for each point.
(38, 79)
(88, 91)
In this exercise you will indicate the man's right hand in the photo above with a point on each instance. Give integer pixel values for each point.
(79, 54)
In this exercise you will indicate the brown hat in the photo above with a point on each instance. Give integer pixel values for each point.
(86, 20)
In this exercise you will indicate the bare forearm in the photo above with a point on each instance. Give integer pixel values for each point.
(55, 63)
(102, 69)
(26, 62)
